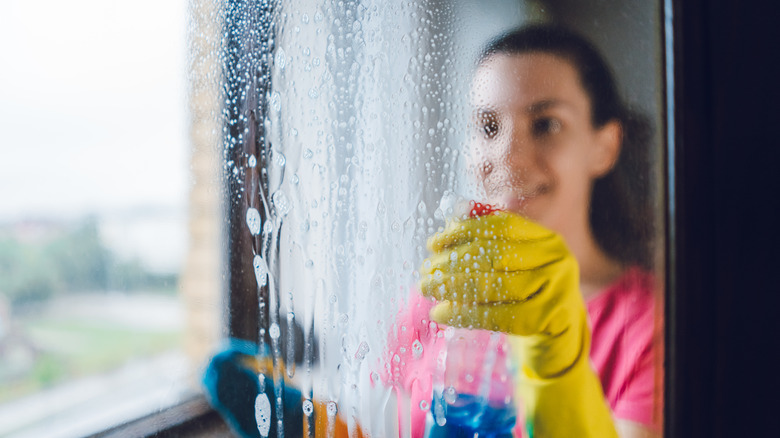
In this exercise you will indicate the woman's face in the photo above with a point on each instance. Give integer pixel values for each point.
(534, 148)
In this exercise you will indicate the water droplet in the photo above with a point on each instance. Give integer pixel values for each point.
(454, 256)
(308, 153)
(261, 271)
(449, 332)
(268, 227)
(252, 162)
(450, 395)
(281, 203)
(279, 158)
(409, 226)
(263, 414)
(332, 409)
(253, 220)
(308, 407)
(362, 350)
(273, 331)
(424, 405)
(438, 413)
(417, 349)
(333, 298)
(281, 58)
(313, 92)
(374, 376)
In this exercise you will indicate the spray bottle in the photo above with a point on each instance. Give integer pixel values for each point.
(473, 385)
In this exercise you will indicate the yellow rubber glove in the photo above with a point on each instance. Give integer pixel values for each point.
(505, 273)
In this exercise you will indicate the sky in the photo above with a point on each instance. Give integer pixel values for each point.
(92, 106)
(93, 112)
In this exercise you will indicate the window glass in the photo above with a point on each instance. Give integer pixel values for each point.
(109, 218)
(383, 121)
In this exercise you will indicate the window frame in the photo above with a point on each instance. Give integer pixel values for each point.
(243, 296)
(720, 315)
(719, 297)
(192, 418)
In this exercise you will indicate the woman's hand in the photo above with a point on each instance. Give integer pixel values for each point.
(503, 272)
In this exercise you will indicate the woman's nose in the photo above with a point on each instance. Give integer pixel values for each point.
(518, 152)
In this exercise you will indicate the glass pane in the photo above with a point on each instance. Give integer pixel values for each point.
(390, 122)
(109, 219)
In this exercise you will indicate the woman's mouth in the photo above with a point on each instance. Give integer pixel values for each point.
(514, 202)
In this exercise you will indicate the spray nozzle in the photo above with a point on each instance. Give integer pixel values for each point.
(459, 207)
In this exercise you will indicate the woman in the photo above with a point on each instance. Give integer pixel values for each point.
(563, 268)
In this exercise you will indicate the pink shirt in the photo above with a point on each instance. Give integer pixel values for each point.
(624, 336)
(623, 325)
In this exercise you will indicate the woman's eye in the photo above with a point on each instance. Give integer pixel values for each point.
(489, 127)
(546, 126)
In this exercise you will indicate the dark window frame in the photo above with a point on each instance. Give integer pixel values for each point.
(721, 317)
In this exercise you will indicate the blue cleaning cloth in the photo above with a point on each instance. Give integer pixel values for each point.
(232, 386)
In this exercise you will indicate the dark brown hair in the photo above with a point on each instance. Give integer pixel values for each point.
(621, 216)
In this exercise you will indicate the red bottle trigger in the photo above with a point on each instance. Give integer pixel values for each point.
(479, 209)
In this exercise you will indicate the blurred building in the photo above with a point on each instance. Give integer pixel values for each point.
(201, 280)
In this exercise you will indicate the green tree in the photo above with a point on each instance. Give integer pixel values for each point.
(75, 260)
(26, 273)
(81, 259)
